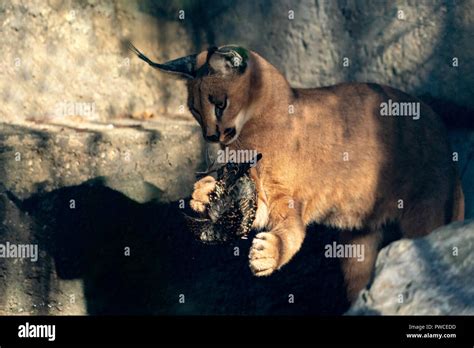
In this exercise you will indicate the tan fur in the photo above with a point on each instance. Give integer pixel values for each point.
(303, 177)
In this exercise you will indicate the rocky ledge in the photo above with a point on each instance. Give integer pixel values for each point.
(143, 160)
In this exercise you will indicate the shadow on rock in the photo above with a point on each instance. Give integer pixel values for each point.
(140, 259)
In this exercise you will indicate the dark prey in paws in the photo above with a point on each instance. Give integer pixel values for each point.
(232, 206)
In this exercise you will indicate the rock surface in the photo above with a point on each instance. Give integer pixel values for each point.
(143, 160)
(433, 275)
(49, 173)
(62, 57)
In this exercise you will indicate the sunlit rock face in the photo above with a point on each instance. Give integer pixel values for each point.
(433, 275)
(66, 58)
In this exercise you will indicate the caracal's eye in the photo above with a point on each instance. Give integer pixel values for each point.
(219, 106)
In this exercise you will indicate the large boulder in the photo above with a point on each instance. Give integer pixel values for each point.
(433, 275)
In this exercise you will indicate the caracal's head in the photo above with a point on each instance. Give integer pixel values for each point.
(218, 89)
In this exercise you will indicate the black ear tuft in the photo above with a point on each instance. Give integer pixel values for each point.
(183, 67)
(228, 60)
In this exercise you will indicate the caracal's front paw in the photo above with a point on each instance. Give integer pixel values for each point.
(264, 254)
(202, 189)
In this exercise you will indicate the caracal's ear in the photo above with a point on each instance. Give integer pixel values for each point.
(184, 67)
(228, 60)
